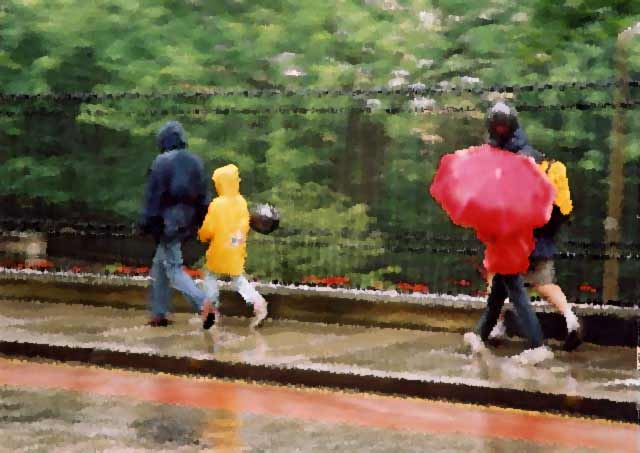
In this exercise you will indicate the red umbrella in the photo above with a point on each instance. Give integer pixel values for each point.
(501, 195)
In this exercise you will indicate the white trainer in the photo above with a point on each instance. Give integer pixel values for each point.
(499, 331)
(259, 313)
(534, 356)
(474, 341)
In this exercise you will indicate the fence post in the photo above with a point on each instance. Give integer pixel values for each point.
(612, 224)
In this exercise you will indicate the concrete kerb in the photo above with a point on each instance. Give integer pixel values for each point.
(448, 391)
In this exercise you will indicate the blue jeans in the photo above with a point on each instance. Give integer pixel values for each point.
(166, 273)
(512, 286)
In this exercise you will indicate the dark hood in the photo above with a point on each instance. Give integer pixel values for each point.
(519, 143)
(171, 136)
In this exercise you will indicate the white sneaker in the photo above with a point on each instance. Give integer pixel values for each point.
(534, 356)
(499, 331)
(260, 313)
(474, 341)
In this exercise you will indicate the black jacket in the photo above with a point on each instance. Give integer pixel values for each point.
(176, 196)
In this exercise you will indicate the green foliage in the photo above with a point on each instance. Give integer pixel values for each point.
(361, 178)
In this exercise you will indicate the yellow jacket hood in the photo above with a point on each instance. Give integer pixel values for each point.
(227, 180)
(226, 224)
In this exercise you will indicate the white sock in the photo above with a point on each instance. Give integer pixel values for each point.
(572, 320)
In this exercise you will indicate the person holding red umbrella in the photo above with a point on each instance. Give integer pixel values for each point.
(503, 196)
(541, 273)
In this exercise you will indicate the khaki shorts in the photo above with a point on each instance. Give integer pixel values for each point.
(541, 272)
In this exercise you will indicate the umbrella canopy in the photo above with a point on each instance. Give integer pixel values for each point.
(501, 195)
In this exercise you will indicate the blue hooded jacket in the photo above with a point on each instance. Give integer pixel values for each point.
(176, 196)
(545, 247)
(519, 143)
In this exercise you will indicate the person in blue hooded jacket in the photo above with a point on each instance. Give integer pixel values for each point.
(175, 203)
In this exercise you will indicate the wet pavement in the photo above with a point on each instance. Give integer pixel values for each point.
(602, 325)
(47, 407)
(592, 371)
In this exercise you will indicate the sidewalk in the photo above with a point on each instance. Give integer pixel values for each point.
(595, 380)
(603, 325)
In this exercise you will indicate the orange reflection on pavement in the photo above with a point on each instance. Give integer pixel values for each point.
(325, 406)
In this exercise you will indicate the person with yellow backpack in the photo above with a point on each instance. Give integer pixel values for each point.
(541, 273)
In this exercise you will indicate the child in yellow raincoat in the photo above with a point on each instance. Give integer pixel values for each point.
(225, 228)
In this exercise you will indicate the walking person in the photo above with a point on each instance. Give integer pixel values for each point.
(504, 197)
(175, 204)
(225, 228)
(541, 272)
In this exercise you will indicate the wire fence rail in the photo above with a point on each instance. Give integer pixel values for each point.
(417, 242)
(441, 88)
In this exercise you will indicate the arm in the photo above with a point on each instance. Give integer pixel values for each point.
(150, 219)
(206, 232)
(203, 196)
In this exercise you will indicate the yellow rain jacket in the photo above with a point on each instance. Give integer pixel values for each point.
(226, 225)
(557, 174)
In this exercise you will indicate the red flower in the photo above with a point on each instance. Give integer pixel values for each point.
(327, 281)
(142, 270)
(464, 283)
(39, 264)
(77, 269)
(125, 270)
(587, 288)
(413, 287)
(338, 281)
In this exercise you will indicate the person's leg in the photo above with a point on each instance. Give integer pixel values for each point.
(252, 297)
(179, 279)
(553, 294)
(489, 317)
(160, 293)
(491, 313)
(500, 330)
(528, 321)
(525, 314)
(211, 288)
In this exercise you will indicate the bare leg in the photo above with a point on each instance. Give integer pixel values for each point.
(553, 294)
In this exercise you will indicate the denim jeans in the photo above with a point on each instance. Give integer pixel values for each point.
(512, 286)
(166, 273)
(242, 285)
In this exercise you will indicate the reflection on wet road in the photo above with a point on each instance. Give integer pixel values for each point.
(55, 407)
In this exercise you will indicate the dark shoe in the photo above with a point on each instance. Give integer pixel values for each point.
(573, 340)
(159, 321)
(494, 342)
(210, 311)
(209, 322)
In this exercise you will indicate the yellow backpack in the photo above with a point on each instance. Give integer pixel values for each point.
(557, 174)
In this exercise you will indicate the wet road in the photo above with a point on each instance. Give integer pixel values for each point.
(57, 407)
(592, 371)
